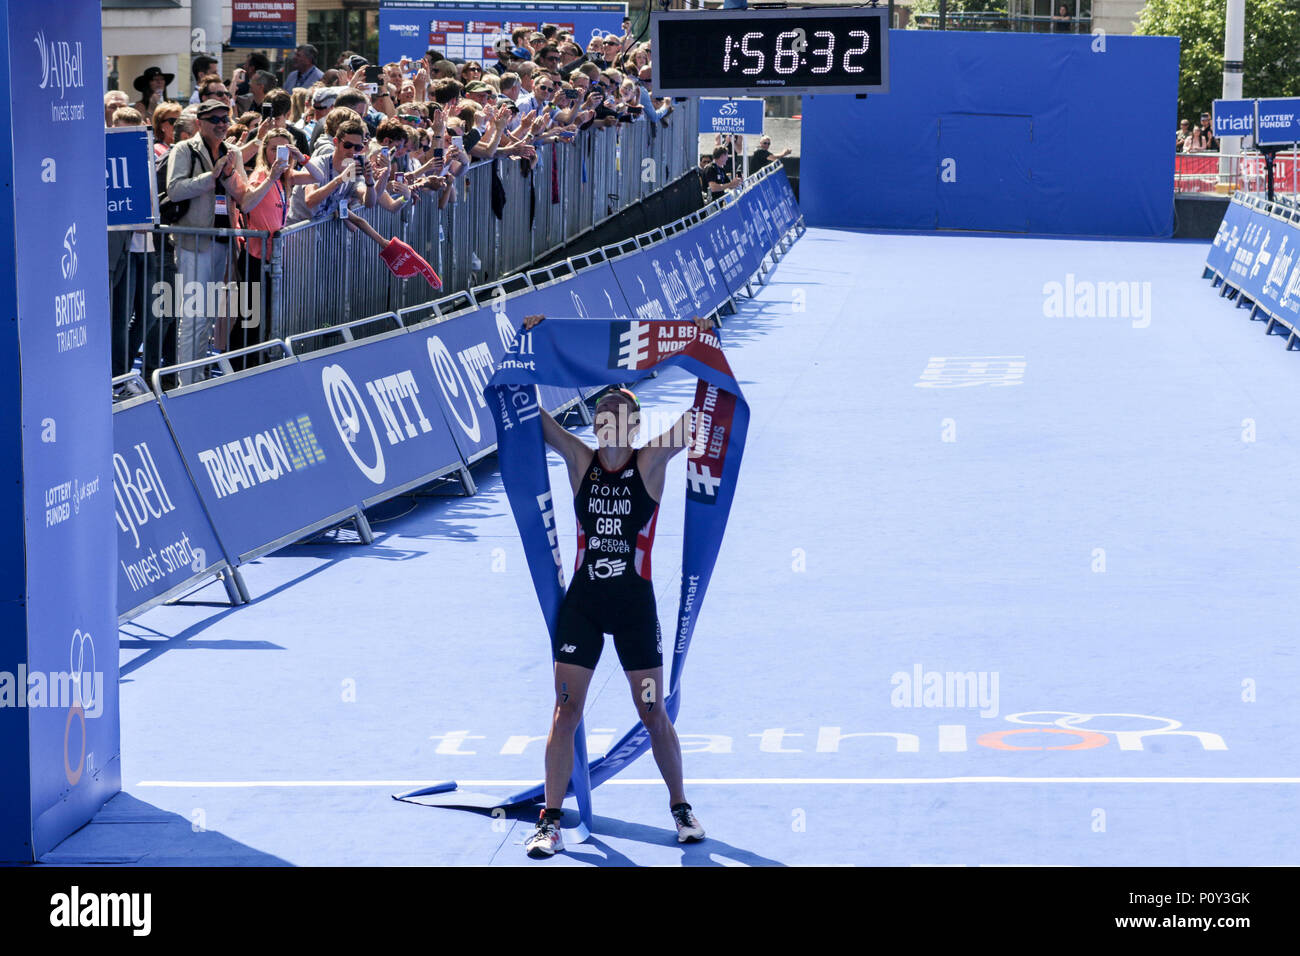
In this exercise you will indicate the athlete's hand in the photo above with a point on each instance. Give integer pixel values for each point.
(530, 321)
(704, 325)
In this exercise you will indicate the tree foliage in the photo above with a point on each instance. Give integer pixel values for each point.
(1272, 48)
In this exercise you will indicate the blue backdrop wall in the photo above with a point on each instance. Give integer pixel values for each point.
(999, 131)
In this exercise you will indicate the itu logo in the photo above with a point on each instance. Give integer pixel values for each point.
(62, 64)
(68, 264)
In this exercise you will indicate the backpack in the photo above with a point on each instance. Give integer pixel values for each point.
(170, 213)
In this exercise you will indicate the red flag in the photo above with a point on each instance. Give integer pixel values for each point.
(404, 262)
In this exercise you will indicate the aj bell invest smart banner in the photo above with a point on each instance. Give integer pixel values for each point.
(164, 537)
(58, 674)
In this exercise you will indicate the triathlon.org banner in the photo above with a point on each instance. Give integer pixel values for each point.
(164, 538)
(383, 405)
(573, 353)
(59, 740)
(462, 352)
(1256, 254)
(266, 455)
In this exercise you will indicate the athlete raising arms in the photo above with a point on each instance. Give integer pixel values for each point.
(616, 493)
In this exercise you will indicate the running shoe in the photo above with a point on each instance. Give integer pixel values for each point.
(545, 840)
(688, 828)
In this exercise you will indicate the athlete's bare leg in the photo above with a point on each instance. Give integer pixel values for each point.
(571, 683)
(648, 694)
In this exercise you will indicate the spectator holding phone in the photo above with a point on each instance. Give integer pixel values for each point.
(265, 207)
(207, 172)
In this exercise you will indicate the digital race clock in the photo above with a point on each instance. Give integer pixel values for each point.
(770, 52)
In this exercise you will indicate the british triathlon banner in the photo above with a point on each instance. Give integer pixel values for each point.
(59, 741)
(466, 30)
(383, 404)
(164, 538)
(576, 353)
(1256, 253)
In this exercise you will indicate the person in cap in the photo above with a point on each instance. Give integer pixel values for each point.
(616, 492)
(152, 86)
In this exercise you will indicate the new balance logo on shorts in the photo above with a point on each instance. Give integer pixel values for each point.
(568, 648)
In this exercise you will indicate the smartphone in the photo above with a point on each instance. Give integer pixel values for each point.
(458, 142)
(370, 89)
(282, 154)
(384, 152)
(373, 73)
(267, 110)
(399, 177)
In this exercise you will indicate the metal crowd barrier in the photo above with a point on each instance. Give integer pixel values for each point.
(328, 274)
(321, 274)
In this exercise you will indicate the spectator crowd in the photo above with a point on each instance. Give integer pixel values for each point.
(260, 152)
(1197, 138)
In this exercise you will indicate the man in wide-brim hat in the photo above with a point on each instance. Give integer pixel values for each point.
(152, 85)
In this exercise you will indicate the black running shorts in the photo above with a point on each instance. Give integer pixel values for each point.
(626, 610)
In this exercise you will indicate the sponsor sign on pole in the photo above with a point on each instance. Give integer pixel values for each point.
(129, 178)
(742, 116)
(1279, 121)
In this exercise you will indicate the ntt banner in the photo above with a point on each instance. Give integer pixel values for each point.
(164, 538)
(382, 404)
(59, 741)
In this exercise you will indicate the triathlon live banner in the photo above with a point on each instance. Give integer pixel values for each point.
(573, 353)
(59, 734)
(164, 538)
(1256, 253)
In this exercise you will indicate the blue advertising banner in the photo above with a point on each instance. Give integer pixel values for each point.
(1255, 253)
(676, 278)
(722, 115)
(1234, 117)
(383, 403)
(592, 293)
(462, 353)
(164, 537)
(1219, 258)
(129, 177)
(59, 731)
(263, 448)
(1279, 121)
(466, 30)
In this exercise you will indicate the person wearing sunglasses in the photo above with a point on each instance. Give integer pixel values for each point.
(347, 174)
(206, 171)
